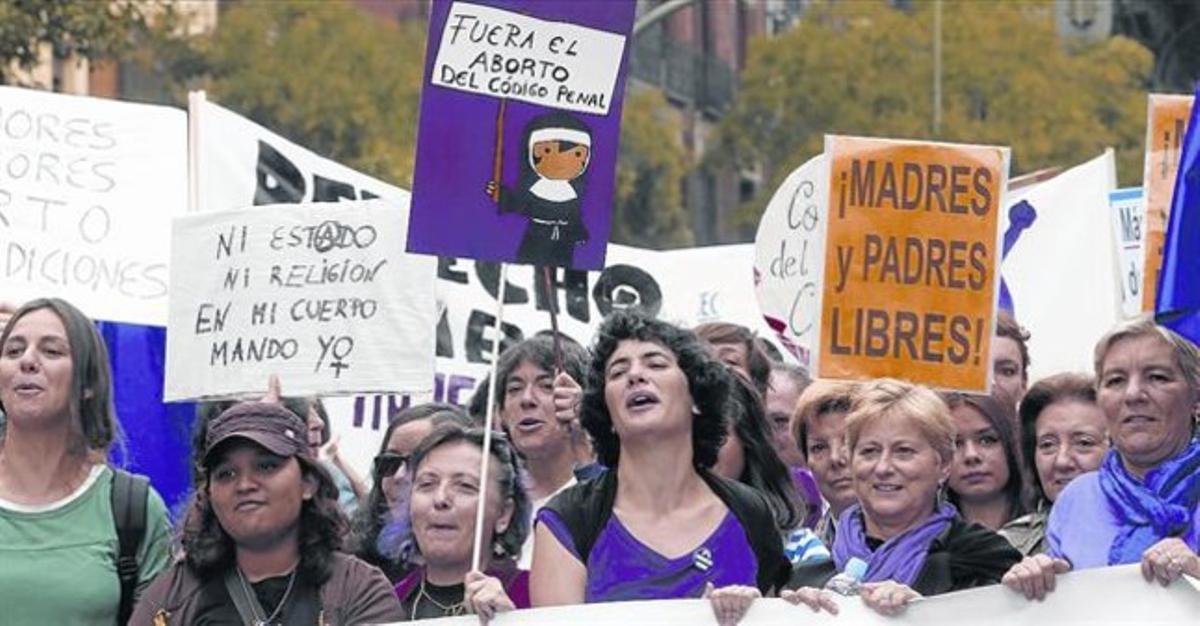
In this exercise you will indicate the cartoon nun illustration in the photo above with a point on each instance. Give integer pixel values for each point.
(554, 158)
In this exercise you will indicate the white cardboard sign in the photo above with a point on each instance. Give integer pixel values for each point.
(320, 294)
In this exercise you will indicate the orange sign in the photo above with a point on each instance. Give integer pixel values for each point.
(911, 259)
(1166, 123)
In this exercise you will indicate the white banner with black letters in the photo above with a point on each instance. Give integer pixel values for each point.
(239, 163)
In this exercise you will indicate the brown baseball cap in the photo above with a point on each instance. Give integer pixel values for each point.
(268, 424)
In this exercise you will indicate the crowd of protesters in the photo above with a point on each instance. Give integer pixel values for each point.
(661, 462)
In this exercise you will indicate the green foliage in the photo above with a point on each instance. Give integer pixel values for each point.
(862, 68)
(87, 29)
(648, 209)
(325, 75)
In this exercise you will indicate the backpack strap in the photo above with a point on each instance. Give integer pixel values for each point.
(129, 493)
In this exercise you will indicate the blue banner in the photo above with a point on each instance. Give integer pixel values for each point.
(1178, 303)
(157, 435)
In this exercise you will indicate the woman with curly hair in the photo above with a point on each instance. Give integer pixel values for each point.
(440, 521)
(261, 537)
(659, 524)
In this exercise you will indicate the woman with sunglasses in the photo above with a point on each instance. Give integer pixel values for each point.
(440, 522)
(390, 484)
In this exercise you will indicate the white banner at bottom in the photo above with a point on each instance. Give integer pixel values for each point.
(1112, 595)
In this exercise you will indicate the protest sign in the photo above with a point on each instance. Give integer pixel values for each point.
(1110, 595)
(1128, 221)
(519, 123)
(789, 259)
(1060, 267)
(88, 192)
(321, 295)
(910, 261)
(1166, 124)
(238, 163)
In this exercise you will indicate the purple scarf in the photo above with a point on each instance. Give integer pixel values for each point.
(1151, 510)
(899, 558)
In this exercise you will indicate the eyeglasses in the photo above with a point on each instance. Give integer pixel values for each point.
(387, 463)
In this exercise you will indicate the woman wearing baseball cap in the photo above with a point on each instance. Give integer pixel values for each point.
(262, 535)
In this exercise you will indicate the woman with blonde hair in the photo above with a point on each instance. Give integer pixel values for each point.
(909, 542)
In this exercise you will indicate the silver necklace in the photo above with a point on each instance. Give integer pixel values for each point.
(252, 600)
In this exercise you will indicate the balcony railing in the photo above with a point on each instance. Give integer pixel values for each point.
(684, 73)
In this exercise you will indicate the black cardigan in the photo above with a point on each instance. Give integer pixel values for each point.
(585, 509)
(965, 555)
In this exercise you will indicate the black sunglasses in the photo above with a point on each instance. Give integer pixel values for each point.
(386, 463)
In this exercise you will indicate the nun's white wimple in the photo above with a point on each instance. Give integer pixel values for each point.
(560, 134)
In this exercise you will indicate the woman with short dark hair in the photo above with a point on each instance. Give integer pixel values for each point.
(262, 536)
(390, 485)
(819, 428)
(1064, 435)
(440, 521)
(659, 523)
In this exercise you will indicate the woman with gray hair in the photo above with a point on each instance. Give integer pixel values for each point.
(446, 485)
(1143, 505)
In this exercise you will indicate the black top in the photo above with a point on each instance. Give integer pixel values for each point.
(432, 601)
(554, 227)
(301, 605)
(965, 555)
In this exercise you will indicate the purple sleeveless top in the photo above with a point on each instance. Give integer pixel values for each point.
(622, 568)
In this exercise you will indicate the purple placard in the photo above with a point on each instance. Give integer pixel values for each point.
(559, 70)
